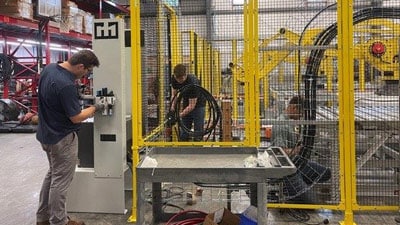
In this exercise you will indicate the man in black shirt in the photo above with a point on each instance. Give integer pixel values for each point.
(193, 107)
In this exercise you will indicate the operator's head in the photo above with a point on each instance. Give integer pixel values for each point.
(82, 62)
(180, 73)
(295, 107)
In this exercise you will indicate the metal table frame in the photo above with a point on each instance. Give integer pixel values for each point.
(223, 165)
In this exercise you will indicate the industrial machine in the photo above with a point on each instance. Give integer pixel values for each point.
(100, 188)
(377, 53)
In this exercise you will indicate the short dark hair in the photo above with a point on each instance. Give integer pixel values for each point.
(85, 57)
(298, 101)
(179, 70)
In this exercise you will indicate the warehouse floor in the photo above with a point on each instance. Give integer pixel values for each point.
(23, 166)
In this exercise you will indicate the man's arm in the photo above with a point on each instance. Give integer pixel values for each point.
(189, 108)
(173, 93)
(281, 137)
(84, 114)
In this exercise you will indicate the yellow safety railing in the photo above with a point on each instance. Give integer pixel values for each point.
(136, 94)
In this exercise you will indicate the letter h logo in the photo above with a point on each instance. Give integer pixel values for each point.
(106, 30)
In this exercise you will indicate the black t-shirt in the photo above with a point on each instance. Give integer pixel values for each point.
(58, 101)
(191, 92)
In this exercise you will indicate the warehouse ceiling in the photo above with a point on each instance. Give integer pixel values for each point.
(186, 7)
(106, 6)
(148, 7)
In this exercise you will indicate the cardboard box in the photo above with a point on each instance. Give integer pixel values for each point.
(222, 217)
(70, 18)
(49, 8)
(88, 23)
(16, 9)
(14, 3)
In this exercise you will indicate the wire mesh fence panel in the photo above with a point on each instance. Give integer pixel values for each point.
(297, 84)
(298, 88)
(212, 47)
(376, 69)
(186, 34)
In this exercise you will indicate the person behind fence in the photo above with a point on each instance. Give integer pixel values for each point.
(296, 187)
(193, 104)
(60, 117)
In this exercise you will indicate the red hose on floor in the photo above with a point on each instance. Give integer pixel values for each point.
(192, 221)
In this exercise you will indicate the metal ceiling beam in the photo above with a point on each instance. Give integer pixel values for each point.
(117, 6)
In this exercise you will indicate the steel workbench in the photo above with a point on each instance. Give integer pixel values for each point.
(216, 165)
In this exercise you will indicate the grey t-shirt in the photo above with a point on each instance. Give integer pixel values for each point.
(285, 135)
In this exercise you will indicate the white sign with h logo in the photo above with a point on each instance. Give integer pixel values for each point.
(106, 30)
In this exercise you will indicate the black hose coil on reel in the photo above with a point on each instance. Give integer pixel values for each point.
(316, 56)
(214, 112)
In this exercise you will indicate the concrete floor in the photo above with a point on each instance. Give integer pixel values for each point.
(23, 165)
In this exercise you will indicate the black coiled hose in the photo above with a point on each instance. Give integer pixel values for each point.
(214, 112)
(5, 68)
(316, 56)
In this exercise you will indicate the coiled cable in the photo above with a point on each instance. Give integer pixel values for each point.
(213, 113)
(5, 68)
(192, 221)
(316, 56)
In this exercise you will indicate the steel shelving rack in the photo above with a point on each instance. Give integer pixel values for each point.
(27, 45)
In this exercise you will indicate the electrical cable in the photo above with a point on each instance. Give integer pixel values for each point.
(170, 193)
(315, 58)
(192, 221)
(303, 32)
(5, 68)
(300, 163)
(298, 215)
(302, 216)
(214, 112)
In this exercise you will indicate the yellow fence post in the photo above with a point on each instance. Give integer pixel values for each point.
(216, 73)
(176, 52)
(136, 75)
(193, 52)
(235, 79)
(252, 78)
(161, 58)
(346, 110)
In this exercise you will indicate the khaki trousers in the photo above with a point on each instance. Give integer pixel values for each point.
(62, 158)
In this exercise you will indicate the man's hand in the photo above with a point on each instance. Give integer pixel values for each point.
(292, 151)
(171, 119)
(100, 105)
(296, 150)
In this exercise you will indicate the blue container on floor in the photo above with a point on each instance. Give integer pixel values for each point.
(244, 220)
